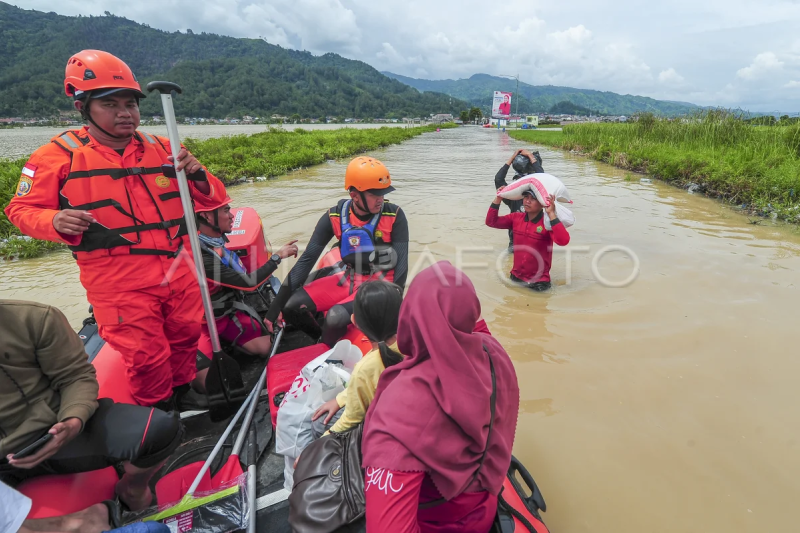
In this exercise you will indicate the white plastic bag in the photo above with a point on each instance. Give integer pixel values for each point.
(343, 351)
(318, 382)
(288, 473)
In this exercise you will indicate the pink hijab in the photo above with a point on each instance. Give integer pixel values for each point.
(431, 411)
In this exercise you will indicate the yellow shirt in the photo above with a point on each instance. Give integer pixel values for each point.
(360, 390)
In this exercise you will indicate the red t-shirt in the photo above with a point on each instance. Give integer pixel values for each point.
(533, 244)
(394, 499)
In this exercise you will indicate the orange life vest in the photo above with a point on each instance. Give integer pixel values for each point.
(93, 184)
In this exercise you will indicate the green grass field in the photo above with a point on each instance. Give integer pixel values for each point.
(276, 152)
(757, 167)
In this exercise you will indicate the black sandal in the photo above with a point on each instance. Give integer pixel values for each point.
(114, 513)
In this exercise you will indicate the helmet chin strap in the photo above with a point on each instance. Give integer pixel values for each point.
(364, 206)
(215, 226)
(87, 116)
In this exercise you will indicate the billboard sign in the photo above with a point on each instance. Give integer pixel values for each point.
(501, 105)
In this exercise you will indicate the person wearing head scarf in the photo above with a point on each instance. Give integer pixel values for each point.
(438, 436)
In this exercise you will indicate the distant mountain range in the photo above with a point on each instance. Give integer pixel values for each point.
(478, 90)
(221, 76)
(226, 76)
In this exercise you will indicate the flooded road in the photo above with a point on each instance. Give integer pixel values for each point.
(668, 404)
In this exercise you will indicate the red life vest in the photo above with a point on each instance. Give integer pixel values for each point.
(93, 183)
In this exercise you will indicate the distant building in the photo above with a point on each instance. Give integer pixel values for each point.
(442, 117)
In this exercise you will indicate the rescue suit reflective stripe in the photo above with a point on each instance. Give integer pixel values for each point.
(94, 184)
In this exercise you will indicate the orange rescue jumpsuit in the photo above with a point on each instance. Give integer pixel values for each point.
(148, 307)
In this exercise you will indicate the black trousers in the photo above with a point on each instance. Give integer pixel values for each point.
(116, 433)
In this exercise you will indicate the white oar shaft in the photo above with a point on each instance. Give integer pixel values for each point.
(191, 226)
(251, 498)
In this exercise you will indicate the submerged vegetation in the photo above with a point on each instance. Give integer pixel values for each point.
(715, 152)
(266, 154)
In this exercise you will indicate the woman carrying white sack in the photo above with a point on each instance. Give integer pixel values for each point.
(536, 228)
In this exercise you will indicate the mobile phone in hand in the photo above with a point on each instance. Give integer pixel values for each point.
(33, 448)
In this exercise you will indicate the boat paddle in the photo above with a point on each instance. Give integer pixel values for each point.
(224, 383)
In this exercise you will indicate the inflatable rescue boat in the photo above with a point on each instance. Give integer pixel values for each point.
(520, 501)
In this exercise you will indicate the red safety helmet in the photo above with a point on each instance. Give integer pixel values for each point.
(99, 74)
(203, 205)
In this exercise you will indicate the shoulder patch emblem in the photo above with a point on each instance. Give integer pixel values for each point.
(162, 181)
(25, 185)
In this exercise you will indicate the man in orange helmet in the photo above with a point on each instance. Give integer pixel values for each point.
(108, 192)
(373, 240)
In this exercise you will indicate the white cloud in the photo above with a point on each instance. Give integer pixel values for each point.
(794, 84)
(670, 76)
(763, 64)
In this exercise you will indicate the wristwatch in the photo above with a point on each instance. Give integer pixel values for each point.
(276, 258)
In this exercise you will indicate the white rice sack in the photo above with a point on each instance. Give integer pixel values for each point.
(542, 185)
(563, 213)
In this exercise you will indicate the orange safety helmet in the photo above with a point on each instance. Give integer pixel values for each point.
(366, 174)
(99, 74)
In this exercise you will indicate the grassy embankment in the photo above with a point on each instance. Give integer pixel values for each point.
(755, 167)
(230, 158)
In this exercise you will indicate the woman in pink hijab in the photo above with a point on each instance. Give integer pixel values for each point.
(438, 436)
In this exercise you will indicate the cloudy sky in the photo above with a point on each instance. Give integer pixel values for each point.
(732, 53)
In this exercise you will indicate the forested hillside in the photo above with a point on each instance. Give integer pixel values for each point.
(221, 76)
(478, 90)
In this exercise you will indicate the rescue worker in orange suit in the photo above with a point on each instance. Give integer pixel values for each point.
(228, 283)
(108, 192)
(372, 236)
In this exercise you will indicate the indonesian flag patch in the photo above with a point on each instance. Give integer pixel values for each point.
(29, 170)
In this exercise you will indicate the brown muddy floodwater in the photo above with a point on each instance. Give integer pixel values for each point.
(668, 404)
